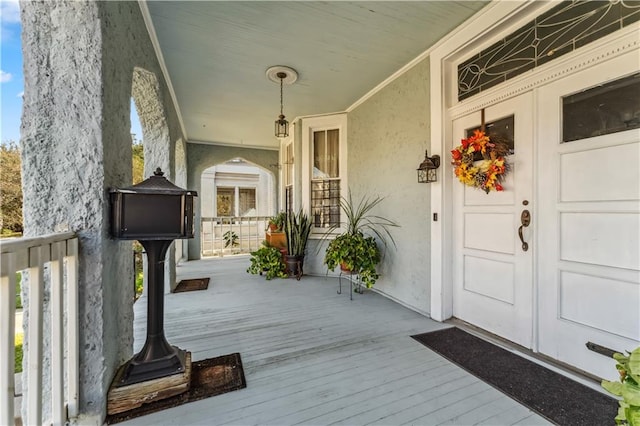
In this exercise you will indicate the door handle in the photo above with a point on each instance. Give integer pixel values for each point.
(525, 220)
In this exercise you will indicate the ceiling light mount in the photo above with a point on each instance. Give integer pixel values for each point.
(290, 75)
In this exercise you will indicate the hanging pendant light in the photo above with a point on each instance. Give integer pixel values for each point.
(282, 125)
(283, 75)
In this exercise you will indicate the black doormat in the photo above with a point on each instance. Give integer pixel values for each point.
(209, 377)
(192, 285)
(553, 396)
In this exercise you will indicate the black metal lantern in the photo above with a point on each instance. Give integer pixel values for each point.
(154, 212)
(282, 125)
(427, 170)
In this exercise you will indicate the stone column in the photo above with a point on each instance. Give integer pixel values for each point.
(75, 146)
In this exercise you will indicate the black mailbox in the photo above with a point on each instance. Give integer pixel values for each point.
(154, 209)
(154, 212)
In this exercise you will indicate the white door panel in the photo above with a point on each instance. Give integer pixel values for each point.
(492, 274)
(588, 230)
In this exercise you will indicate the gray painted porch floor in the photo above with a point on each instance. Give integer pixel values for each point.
(314, 357)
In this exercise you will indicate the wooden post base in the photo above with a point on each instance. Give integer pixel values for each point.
(125, 398)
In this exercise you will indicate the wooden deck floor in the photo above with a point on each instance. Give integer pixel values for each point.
(314, 357)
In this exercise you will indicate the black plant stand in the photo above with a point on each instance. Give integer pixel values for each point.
(157, 357)
(349, 276)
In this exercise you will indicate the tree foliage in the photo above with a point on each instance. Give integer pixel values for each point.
(10, 188)
(137, 153)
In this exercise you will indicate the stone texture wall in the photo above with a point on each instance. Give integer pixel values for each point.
(387, 137)
(79, 62)
(203, 156)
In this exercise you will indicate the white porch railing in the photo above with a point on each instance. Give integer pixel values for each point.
(30, 254)
(249, 233)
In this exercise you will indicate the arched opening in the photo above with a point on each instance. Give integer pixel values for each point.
(237, 198)
(156, 147)
(137, 173)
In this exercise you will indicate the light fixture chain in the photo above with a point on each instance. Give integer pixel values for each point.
(281, 113)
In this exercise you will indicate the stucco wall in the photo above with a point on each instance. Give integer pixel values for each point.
(202, 156)
(387, 137)
(79, 61)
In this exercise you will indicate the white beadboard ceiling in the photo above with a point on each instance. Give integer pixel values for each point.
(217, 52)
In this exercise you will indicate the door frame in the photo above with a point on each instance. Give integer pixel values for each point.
(494, 22)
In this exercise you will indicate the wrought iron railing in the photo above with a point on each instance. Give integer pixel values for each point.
(226, 235)
(30, 255)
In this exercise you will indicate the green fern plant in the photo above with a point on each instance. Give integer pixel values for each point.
(628, 388)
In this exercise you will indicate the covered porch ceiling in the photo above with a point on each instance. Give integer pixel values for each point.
(216, 54)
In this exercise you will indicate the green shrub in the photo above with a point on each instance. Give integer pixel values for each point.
(230, 239)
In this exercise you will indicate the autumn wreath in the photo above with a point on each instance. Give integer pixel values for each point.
(480, 163)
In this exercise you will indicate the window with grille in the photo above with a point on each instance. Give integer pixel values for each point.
(325, 182)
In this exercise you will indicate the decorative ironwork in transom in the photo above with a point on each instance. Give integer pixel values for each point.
(560, 30)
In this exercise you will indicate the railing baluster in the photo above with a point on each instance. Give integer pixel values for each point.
(73, 330)
(34, 359)
(213, 236)
(57, 324)
(32, 254)
(7, 336)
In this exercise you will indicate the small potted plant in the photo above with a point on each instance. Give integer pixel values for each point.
(356, 250)
(276, 223)
(267, 260)
(297, 228)
(275, 233)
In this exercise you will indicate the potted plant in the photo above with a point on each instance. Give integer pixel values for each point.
(356, 250)
(267, 260)
(275, 232)
(297, 227)
(276, 223)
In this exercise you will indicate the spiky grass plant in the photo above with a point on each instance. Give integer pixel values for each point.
(297, 228)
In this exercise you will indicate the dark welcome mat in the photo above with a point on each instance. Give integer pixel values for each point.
(557, 398)
(192, 285)
(209, 377)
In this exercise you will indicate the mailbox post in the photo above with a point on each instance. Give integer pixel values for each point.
(154, 212)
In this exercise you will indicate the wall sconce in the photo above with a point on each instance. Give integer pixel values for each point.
(427, 170)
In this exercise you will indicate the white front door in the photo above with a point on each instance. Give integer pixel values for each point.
(588, 222)
(492, 273)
